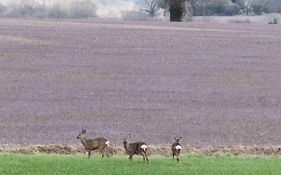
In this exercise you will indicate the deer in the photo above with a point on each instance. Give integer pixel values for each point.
(176, 148)
(99, 144)
(135, 148)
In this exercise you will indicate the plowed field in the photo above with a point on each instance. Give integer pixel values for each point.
(213, 84)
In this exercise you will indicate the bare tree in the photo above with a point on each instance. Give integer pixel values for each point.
(151, 7)
(163, 4)
(273, 6)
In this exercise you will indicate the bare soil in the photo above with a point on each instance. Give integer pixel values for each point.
(212, 83)
(152, 150)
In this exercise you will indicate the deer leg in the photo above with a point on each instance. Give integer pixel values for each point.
(112, 152)
(144, 157)
(102, 150)
(131, 157)
(109, 153)
(89, 154)
(178, 157)
(102, 153)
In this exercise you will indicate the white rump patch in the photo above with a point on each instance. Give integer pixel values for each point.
(107, 143)
(144, 147)
(178, 147)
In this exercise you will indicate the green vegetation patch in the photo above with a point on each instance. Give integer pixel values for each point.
(46, 164)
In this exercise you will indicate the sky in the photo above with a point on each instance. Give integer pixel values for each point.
(114, 8)
(105, 8)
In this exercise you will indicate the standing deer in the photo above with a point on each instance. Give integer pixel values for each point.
(136, 148)
(93, 144)
(176, 148)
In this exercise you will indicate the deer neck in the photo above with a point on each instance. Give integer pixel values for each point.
(83, 141)
(125, 146)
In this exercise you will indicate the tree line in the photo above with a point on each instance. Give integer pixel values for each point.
(34, 9)
(179, 8)
(176, 9)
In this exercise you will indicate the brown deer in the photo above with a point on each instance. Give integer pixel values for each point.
(93, 144)
(135, 148)
(176, 148)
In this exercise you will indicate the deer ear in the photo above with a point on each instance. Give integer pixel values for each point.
(122, 136)
(84, 130)
(129, 136)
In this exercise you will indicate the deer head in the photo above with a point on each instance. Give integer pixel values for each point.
(178, 139)
(125, 139)
(81, 134)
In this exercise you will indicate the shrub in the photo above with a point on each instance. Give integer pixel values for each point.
(216, 7)
(24, 10)
(135, 16)
(40, 12)
(258, 8)
(222, 7)
(3, 9)
(82, 9)
(56, 11)
(239, 21)
(230, 10)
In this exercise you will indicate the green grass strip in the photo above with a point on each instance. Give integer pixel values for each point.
(51, 164)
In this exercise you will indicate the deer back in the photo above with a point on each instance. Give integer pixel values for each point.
(136, 147)
(96, 143)
(176, 147)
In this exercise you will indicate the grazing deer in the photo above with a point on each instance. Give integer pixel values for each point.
(93, 144)
(176, 148)
(136, 148)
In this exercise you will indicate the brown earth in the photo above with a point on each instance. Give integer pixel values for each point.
(212, 83)
(153, 150)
